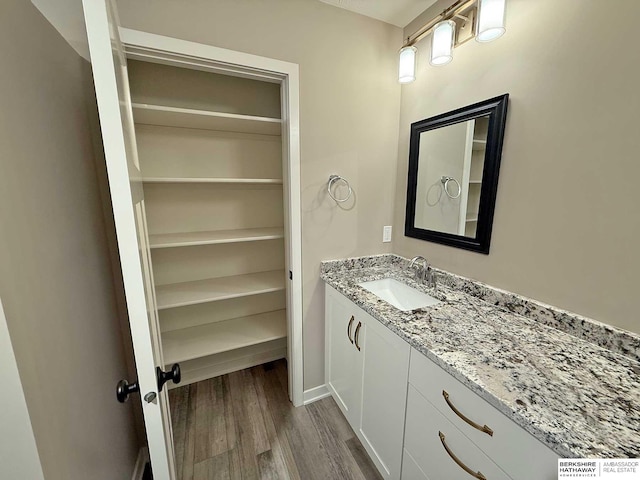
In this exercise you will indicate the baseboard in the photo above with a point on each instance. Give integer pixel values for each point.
(315, 394)
(227, 362)
(138, 469)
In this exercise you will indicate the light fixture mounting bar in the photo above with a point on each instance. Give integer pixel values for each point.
(455, 10)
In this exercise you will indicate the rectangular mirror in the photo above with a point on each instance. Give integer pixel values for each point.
(454, 159)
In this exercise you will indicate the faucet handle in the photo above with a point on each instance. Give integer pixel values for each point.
(431, 277)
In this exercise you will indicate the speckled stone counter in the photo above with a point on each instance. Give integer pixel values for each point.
(571, 382)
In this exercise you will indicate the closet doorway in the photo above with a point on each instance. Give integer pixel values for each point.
(210, 153)
(218, 153)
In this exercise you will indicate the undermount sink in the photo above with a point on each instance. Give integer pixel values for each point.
(401, 296)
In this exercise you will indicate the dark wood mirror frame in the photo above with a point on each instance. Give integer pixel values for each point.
(496, 109)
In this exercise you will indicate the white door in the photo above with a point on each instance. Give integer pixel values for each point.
(116, 122)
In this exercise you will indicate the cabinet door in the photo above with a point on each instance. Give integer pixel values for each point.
(384, 392)
(343, 363)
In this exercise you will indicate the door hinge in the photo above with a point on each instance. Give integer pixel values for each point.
(290, 275)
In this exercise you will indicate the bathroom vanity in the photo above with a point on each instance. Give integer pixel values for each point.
(482, 384)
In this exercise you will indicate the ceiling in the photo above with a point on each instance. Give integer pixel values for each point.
(66, 15)
(395, 12)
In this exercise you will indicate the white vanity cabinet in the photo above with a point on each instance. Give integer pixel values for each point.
(366, 369)
(476, 433)
(416, 421)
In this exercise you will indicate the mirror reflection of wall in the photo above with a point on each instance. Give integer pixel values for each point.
(452, 180)
(450, 167)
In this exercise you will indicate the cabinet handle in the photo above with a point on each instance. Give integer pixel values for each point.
(482, 428)
(477, 475)
(356, 334)
(349, 329)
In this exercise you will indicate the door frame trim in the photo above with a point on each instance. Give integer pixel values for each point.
(182, 53)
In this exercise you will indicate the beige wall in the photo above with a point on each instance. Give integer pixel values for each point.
(566, 223)
(55, 276)
(349, 107)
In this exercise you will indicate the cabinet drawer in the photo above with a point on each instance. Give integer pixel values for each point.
(516, 451)
(423, 443)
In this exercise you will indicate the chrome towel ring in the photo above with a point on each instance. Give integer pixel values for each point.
(445, 183)
(338, 178)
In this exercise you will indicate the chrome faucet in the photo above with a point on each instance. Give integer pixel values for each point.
(424, 274)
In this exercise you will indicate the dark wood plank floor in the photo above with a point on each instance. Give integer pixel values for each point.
(242, 426)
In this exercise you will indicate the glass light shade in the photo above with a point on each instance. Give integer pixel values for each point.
(407, 67)
(442, 43)
(490, 23)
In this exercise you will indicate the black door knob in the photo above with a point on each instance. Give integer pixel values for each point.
(164, 377)
(124, 389)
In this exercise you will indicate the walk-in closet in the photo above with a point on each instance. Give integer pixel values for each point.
(210, 153)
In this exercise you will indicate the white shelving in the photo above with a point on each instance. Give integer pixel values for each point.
(248, 181)
(201, 119)
(214, 289)
(187, 239)
(214, 180)
(478, 146)
(210, 339)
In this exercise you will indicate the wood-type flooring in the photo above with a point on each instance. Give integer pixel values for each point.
(241, 426)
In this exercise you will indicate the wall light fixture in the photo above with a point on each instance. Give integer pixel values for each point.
(407, 68)
(490, 20)
(462, 21)
(442, 43)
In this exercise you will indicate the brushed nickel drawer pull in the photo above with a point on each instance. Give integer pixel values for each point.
(349, 329)
(482, 428)
(477, 475)
(357, 334)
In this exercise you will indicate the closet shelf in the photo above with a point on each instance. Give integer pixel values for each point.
(187, 239)
(210, 339)
(248, 181)
(222, 288)
(188, 118)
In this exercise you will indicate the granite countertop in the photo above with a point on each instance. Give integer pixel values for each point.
(577, 390)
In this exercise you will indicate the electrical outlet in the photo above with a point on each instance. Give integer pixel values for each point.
(386, 234)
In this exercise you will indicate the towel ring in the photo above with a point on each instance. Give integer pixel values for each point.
(337, 178)
(445, 182)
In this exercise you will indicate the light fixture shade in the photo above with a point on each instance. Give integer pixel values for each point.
(491, 19)
(407, 67)
(442, 43)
